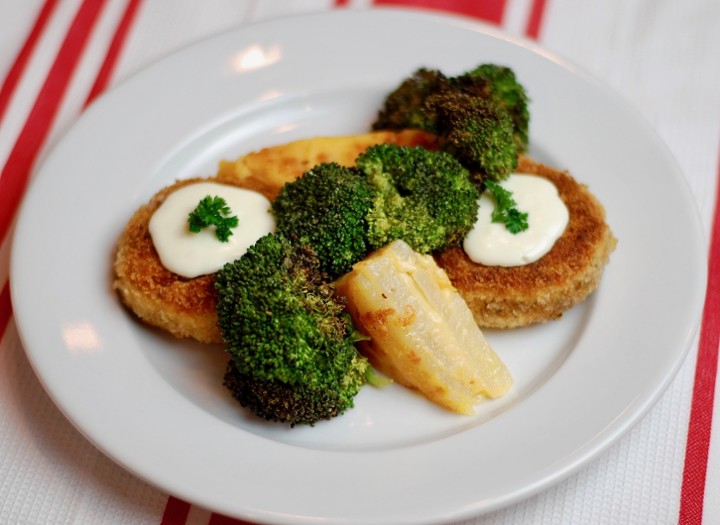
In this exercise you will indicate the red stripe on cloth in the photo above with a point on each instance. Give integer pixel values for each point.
(534, 23)
(219, 519)
(16, 70)
(692, 493)
(16, 172)
(5, 308)
(176, 512)
(488, 10)
(108, 66)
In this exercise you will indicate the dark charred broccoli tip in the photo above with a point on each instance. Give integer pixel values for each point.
(480, 116)
(291, 344)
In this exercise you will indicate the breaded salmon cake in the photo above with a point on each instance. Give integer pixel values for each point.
(186, 307)
(510, 297)
(182, 306)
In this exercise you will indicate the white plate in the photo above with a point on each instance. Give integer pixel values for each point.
(156, 405)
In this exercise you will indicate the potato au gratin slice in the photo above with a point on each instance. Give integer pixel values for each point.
(422, 334)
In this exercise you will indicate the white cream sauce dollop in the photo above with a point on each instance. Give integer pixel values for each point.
(491, 243)
(194, 254)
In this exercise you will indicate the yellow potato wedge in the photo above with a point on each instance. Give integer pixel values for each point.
(422, 334)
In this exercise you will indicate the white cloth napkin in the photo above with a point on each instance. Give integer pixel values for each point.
(662, 57)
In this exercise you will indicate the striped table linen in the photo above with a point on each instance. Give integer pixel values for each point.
(57, 56)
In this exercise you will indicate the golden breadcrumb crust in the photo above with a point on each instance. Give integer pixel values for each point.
(182, 306)
(510, 297)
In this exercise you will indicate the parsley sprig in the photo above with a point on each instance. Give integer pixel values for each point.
(213, 211)
(505, 211)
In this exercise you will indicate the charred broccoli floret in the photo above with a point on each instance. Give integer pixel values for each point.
(291, 345)
(326, 209)
(476, 132)
(499, 84)
(481, 116)
(425, 198)
(405, 108)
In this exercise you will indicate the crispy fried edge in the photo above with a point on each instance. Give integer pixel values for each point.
(182, 306)
(511, 297)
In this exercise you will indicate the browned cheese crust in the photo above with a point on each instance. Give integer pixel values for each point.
(269, 168)
(510, 297)
(186, 307)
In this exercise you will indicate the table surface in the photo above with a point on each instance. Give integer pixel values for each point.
(662, 57)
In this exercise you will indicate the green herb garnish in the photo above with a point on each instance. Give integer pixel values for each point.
(505, 211)
(213, 211)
